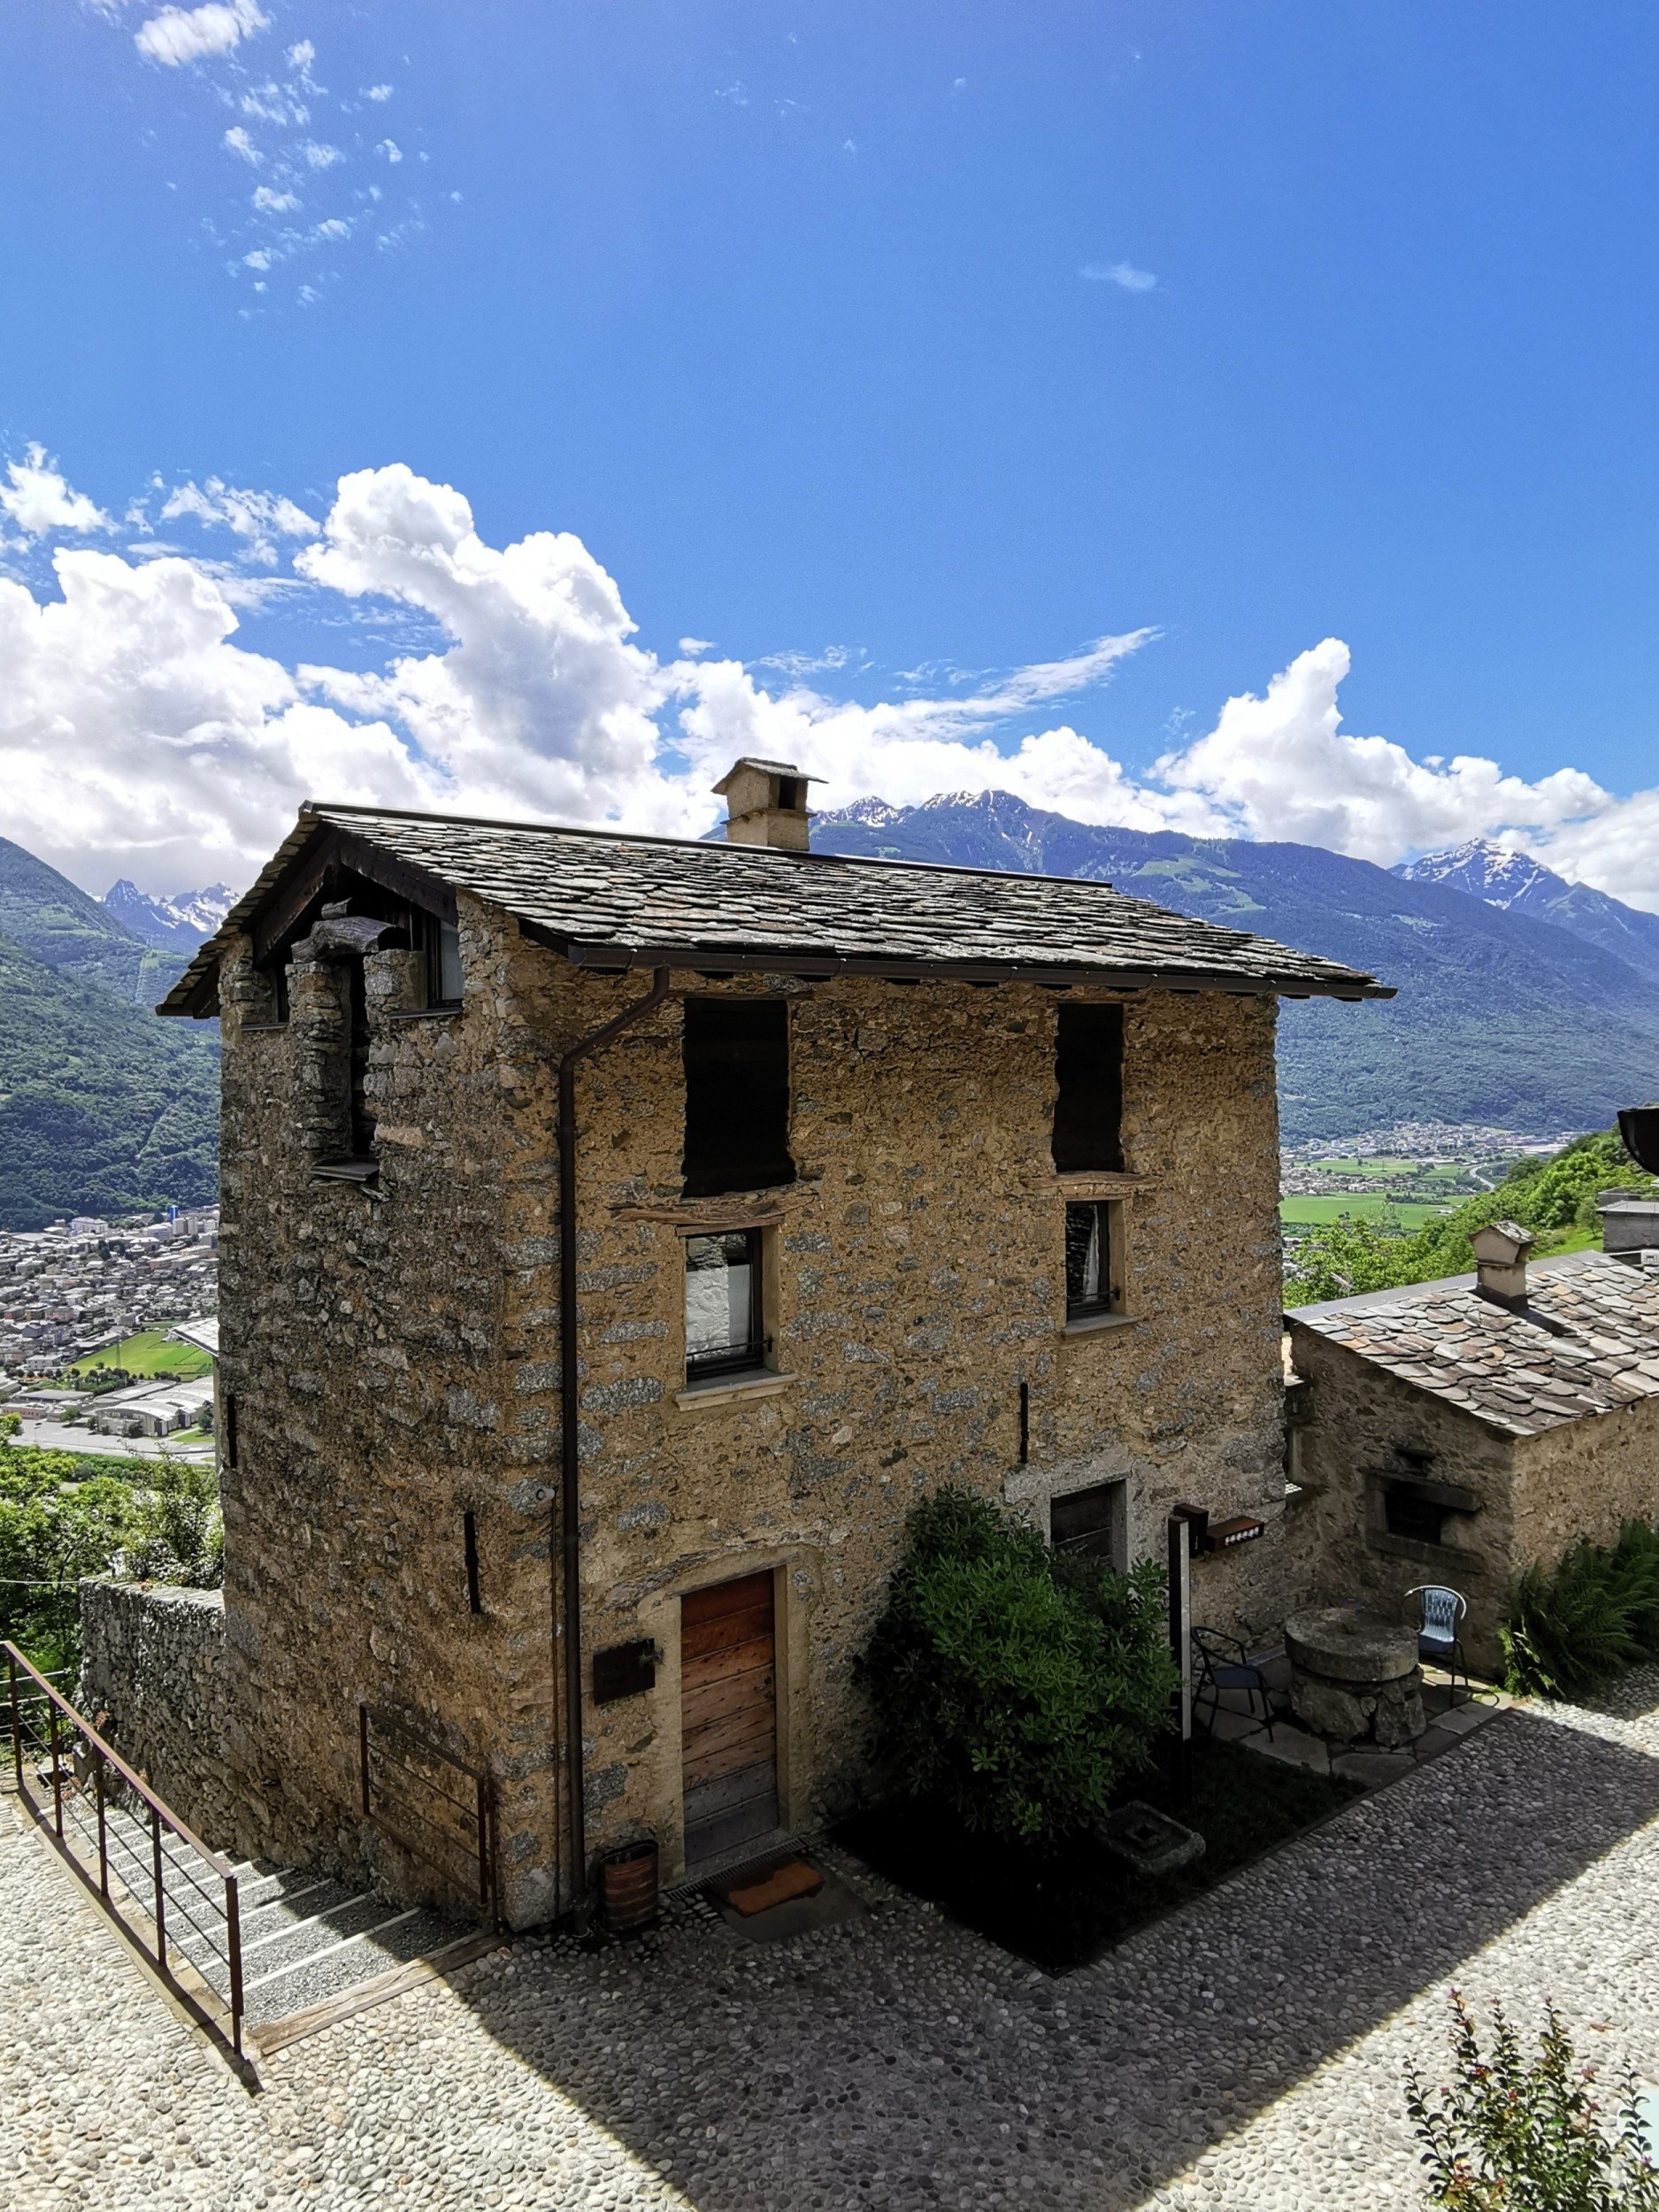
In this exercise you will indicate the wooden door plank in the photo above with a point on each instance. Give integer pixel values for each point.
(727, 1597)
(716, 1666)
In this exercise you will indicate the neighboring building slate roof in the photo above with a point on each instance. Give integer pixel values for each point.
(616, 900)
(1588, 1342)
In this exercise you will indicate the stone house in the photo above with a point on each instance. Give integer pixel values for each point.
(876, 1178)
(1456, 1431)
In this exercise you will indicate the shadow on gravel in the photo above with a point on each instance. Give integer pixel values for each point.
(906, 2063)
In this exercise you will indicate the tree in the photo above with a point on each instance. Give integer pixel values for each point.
(1511, 2135)
(1013, 1686)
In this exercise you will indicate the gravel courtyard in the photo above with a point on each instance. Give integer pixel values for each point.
(1244, 2054)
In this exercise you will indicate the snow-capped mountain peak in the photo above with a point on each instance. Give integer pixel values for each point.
(1483, 869)
(179, 923)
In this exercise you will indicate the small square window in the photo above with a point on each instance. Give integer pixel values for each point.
(1092, 1271)
(723, 1333)
(1407, 1512)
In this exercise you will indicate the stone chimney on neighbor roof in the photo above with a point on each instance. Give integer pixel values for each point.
(1630, 1223)
(1501, 1249)
(765, 804)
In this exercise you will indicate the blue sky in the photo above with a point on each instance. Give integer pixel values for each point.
(886, 351)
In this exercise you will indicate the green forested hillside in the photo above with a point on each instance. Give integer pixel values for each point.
(103, 1107)
(54, 919)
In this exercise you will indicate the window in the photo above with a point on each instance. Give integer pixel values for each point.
(1092, 1271)
(1089, 1069)
(723, 1303)
(1408, 1512)
(737, 1095)
(1093, 1522)
(443, 962)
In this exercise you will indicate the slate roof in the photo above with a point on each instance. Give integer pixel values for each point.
(607, 899)
(1587, 1342)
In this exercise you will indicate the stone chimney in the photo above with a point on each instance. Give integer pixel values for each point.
(765, 804)
(1630, 1224)
(1500, 1250)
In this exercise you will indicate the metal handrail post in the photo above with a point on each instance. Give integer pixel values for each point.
(161, 1894)
(232, 1945)
(58, 1782)
(17, 1726)
(103, 1844)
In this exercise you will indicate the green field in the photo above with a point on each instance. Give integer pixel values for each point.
(1368, 1167)
(151, 1353)
(1410, 1213)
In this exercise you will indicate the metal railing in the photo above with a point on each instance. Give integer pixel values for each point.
(156, 1878)
(433, 1805)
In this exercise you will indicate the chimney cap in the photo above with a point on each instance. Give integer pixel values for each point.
(1504, 1241)
(765, 768)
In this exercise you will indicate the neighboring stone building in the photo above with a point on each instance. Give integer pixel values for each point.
(896, 1176)
(1456, 1431)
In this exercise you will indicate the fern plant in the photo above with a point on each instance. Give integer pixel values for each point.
(1570, 1627)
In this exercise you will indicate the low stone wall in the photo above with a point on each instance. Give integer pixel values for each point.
(153, 1666)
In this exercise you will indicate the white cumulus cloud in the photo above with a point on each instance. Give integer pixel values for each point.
(187, 752)
(38, 500)
(181, 34)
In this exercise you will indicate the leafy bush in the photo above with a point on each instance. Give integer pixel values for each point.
(1570, 1627)
(177, 1533)
(1511, 2135)
(1013, 1686)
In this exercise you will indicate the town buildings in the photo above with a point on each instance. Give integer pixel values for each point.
(81, 1285)
(621, 1233)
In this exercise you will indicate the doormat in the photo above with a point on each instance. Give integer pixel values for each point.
(749, 1895)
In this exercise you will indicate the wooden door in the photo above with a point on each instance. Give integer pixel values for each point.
(728, 1703)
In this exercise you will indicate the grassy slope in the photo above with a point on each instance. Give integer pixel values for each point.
(1361, 1205)
(103, 1108)
(55, 921)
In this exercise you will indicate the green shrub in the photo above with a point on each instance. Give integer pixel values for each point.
(1567, 1629)
(1012, 1687)
(177, 1533)
(1511, 2135)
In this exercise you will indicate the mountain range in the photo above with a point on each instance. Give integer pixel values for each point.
(103, 1108)
(1523, 1001)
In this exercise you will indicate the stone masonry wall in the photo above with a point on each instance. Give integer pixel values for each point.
(153, 1681)
(1586, 1479)
(394, 1358)
(1357, 1420)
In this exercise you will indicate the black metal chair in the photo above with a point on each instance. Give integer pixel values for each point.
(1220, 1664)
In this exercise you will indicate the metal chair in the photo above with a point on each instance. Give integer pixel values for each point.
(1222, 1665)
(1440, 1615)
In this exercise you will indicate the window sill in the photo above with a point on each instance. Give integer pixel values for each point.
(425, 1014)
(265, 1026)
(1087, 1324)
(763, 1382)
(345, 1171)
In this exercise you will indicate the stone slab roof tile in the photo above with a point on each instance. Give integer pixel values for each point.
(619, 900)
(1587, 1342)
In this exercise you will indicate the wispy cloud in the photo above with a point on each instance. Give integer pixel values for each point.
(181, 34)
(1122, 273)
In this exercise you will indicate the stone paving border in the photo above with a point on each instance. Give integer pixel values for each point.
(1243, 2055)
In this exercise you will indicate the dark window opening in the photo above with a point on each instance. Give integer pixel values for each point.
(227, 1418)
(469, 1549)
(1091, 1260)
(723, 1320)
(1095, 1522)
(789, 792)
(1407, 1512)
(737, 1095)
(445, 981)
(1089, 1071)
(362, 1122)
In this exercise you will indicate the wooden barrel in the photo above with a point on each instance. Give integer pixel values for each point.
(627, 1886)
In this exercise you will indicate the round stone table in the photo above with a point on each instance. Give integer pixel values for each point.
(1354, 1676)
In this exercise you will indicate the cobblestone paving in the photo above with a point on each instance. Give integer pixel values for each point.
(1243, 2056)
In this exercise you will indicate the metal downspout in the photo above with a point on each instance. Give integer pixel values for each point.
(570, 1503)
